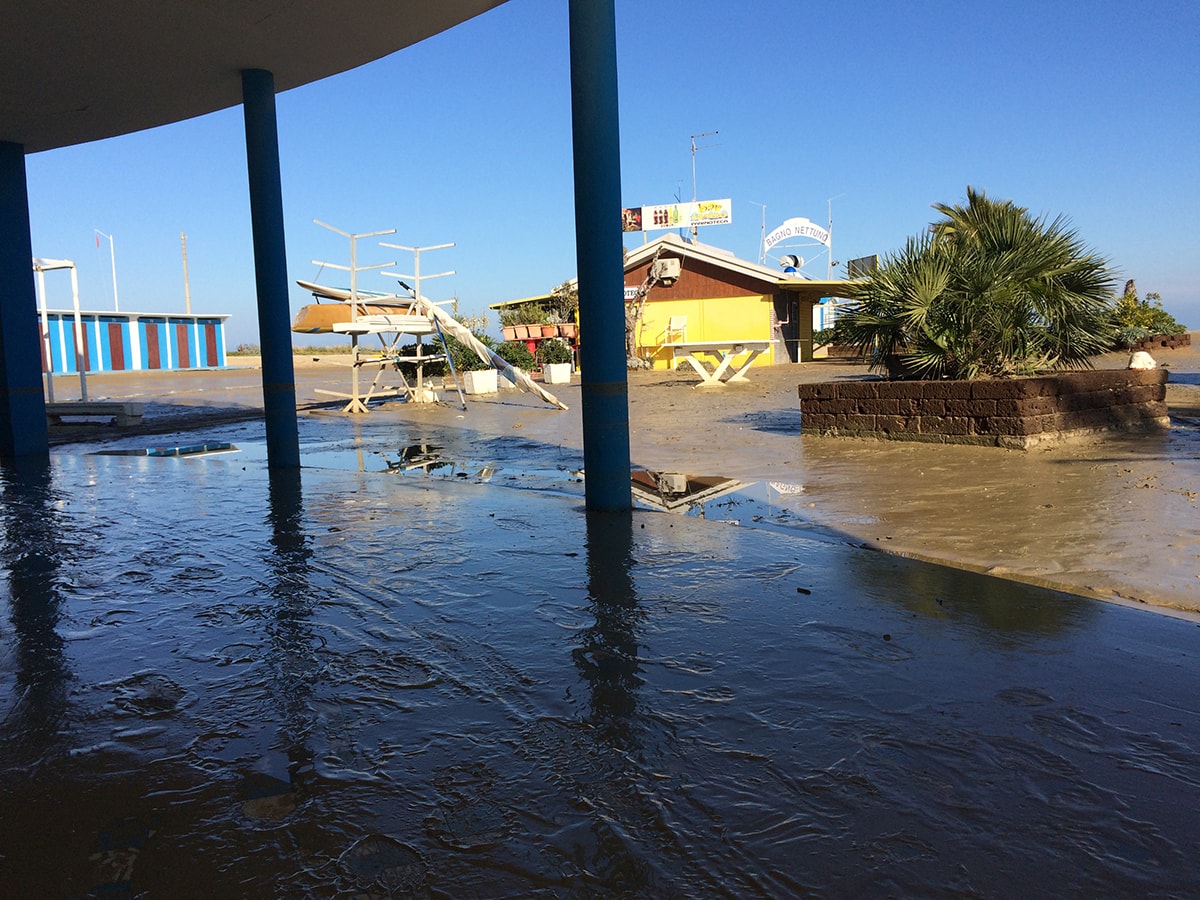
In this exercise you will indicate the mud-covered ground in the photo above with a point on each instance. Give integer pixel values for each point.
(1113, 517)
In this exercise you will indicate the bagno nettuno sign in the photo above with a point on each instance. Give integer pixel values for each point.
(797, 228)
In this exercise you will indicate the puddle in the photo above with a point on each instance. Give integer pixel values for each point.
(344, 680)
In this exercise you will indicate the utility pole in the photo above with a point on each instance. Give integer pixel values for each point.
(187, 288)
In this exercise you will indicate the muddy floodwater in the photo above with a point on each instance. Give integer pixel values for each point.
(391, 676)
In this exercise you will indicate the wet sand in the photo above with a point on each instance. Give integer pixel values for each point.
(1112, 517)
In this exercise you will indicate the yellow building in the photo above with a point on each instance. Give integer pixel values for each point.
(696, 293)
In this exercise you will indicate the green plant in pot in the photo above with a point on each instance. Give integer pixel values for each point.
(554, 350)
(508, 323)
(464, 358)
(530, 314)
(564, 300)
(515, 353)
(526, 319)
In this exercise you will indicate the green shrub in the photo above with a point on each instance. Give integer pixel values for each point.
(554, 350)
(988, 291)
(524, 314)
(1130, 312)
(464, 358)
(332, 350)
(1128, 335)
(515, 353)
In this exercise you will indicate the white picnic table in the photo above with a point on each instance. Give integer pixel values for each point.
(728, 354)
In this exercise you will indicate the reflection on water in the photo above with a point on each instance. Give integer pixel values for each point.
(293, 643)
(677, 492)
(431, 459)
(204, 449)
(31, 554)
(992, 604)
(425, 458)
(607, 655)
(228, 682)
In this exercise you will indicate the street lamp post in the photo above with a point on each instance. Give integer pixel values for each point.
(113, 255)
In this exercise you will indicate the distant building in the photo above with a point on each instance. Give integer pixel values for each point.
(704, 293)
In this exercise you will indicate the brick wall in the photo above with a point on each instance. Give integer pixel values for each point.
(1163, 342)
(1004, 412)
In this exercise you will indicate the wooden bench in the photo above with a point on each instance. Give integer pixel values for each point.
(123, 413)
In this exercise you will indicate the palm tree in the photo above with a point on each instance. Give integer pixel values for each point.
(987, 291)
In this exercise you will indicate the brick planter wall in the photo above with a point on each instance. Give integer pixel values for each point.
(1003, 412)
(1163, 342)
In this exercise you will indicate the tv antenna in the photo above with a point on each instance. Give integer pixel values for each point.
(829, 204)
(694, 149)
(762, 234)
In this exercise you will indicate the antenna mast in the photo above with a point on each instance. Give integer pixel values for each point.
(762, 235)
(829, 203)
(694, 149)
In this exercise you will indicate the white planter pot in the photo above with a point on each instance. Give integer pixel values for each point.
(480, 381)
(556, 373)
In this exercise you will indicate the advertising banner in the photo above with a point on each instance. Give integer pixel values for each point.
(680, 215)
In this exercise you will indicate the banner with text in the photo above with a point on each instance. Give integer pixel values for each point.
(677, 215)
(796, 228)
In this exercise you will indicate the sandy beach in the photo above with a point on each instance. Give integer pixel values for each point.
(1112, 517)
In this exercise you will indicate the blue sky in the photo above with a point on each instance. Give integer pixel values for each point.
(1085, 109)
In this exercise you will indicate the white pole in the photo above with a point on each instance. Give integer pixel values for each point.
(112, 252)
(41, 277)
(80, 358)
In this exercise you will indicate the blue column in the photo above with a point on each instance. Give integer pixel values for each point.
(597, 153)
(23, 430)
(270, 269)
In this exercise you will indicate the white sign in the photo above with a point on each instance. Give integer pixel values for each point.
(796, 228)
(687, 215)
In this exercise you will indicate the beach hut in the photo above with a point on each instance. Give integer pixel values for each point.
(121, 341)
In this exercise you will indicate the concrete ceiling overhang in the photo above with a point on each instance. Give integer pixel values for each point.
(73, 71)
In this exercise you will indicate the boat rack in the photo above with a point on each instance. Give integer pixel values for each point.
(390, 328)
